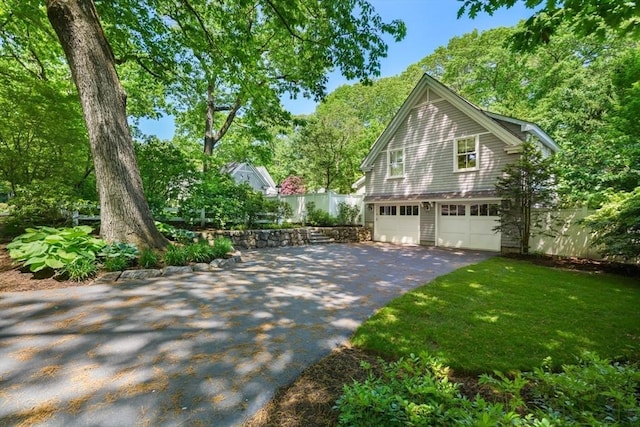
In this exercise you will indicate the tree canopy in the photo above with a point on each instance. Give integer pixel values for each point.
(584, 18)
(219, 60)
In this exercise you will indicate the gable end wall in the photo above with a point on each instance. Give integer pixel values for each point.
(427, 136)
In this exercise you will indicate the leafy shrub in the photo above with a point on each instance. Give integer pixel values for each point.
(79, 270)
(617, 226)
(417, 391)
(127, 251)
(200, 252)
(218, 195)
(278, 209)
(179, 235)
(40, 204)
(221, 247)
(594, 391)
(176, 255)
(347, 214)
(413, 391)
(43, 247)
(116, 263)
(318, 217)
(148, 258)
(118, 256)
(225, 202)
(165, 170)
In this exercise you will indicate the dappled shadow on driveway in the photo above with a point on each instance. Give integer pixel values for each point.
(199, 349)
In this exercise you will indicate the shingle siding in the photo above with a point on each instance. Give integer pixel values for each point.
(427, 136)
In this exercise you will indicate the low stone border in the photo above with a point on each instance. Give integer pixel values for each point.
(215, 265)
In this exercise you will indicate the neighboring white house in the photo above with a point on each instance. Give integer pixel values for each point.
(430, 176)
(358, 186)
(256, 176)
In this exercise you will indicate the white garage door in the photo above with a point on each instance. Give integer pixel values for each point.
(397, 223)
(468, 225)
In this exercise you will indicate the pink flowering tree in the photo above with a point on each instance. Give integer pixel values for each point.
(292, 185)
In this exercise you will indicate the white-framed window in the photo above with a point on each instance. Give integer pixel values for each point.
(453, 210)
(484, 209)
(465, 153)
(388, 210)
(395, 163)
(409, 210)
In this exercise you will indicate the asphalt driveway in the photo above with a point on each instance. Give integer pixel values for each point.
(199, 349)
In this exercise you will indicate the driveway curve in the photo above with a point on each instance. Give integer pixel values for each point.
(199, 349)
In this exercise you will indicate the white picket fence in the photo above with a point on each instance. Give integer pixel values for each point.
(327, 202)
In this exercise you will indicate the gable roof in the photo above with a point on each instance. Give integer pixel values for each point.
(266, 176)
(268, 184)
(489, 121)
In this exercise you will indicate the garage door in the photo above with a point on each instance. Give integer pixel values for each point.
(468, 225)
(398, 223)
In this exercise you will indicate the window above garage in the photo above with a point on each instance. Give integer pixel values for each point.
(465, 154)
(395, 161)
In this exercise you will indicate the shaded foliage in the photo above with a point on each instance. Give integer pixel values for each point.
(617, 226)
(528, 186)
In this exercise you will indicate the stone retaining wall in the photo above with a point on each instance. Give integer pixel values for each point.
(250, 239)
(346, 234)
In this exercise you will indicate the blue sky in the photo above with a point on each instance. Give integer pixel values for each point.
(430, 24)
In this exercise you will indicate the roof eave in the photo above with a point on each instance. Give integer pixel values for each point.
(530, 127)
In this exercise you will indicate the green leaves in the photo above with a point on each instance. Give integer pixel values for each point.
(617, 226)
(529, 186)
(585, 17)
(417, 392)
(43, 247)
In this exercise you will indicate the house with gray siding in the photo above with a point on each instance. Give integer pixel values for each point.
(430, 176)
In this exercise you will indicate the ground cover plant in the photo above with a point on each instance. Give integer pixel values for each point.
(506, 314)
(417, 391)
(75, 254)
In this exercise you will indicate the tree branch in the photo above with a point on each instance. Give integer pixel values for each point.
(201, 22)
(284, 21)
(227, 123)
(43, 71)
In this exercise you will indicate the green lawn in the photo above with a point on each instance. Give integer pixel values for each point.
(504, 314)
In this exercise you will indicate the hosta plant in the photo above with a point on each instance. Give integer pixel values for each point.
(180, 235)
(43, 247)
(128, 251)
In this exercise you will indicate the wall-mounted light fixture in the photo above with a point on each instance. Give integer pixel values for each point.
(427, 205)
(370, 207)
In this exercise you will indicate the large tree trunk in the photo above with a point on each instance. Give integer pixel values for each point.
(124, 212)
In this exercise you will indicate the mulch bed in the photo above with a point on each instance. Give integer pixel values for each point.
(309, 401)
